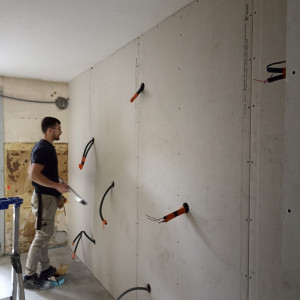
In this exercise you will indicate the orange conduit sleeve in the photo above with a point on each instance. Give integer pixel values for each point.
(138, 92)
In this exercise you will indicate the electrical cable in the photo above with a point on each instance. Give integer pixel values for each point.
(100, 208)
(276, 70)
(183, 210)
(79, 236)
(61, 103)
(148, 289)
(85, 152)
(138, 92)
(271, 69)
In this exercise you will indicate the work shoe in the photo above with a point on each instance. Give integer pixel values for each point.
(35, 283)
(47, 273)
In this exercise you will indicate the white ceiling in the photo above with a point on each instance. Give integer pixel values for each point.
(58, 39)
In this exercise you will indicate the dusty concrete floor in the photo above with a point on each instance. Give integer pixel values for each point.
(79, 282)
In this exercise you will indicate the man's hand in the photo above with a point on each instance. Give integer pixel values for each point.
(62, 187)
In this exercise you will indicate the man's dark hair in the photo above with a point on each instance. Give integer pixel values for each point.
(48, 122)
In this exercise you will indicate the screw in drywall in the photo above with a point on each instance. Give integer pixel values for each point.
(294, 72)
(289, 211)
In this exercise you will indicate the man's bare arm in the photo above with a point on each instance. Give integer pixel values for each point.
(35, 174)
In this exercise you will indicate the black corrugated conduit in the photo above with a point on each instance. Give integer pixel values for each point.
(277, 70)
(138, 92)
(100, 208)
(183, 210)
(85, 152)
(148, 289)
(79, 236)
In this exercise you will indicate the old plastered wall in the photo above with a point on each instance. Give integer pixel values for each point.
(21, 130)
(17, 160)
(184, 139)
(22, 120)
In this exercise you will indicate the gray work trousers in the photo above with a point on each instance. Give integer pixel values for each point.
(38, 252)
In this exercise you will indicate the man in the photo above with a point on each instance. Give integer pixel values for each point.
(43, 172)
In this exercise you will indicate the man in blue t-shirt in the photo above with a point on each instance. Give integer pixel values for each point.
(43, 171)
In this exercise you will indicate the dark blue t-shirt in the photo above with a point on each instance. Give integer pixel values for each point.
(44, 153)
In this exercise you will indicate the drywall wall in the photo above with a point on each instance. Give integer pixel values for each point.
(267, 136)
(100, 108)
(205, 131)
(291, 178)
(21, 123)
(2, 212)
(191, 150)
(184, 139)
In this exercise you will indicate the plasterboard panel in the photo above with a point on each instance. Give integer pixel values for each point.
(291, 205)
(109, 117)
(114, 127)
(78, 216)
(267, 137)
(2, 221)
(191, 150)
